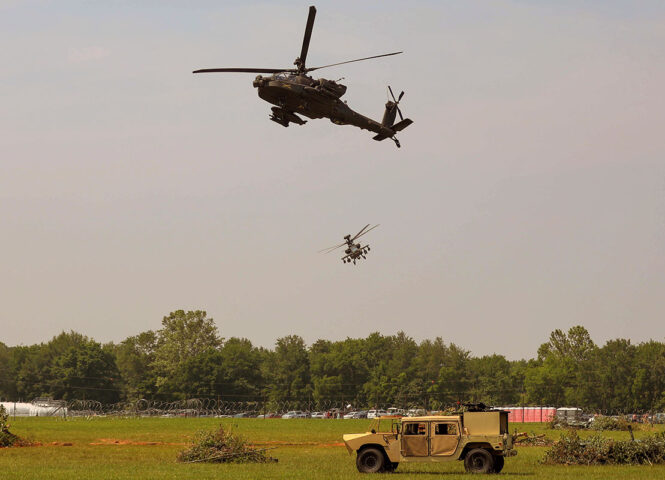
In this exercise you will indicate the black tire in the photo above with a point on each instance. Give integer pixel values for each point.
(370, 460)
(391, 466)
(479, 460)
(498, 464)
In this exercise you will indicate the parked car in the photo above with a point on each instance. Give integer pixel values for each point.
(361, 414)
(269, 415)
(376, 413)
(659, 418)
(416, 412)
(397, 412)
(317, 415)
(350, 415)
(295, 414)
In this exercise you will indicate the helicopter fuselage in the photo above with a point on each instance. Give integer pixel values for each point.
(320, 98)
(355, 252)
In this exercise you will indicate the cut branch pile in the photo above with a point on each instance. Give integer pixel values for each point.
(223, 446)
(523, 439)
(597, 450)
(7, 438)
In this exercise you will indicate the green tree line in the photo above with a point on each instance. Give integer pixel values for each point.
(187, 358)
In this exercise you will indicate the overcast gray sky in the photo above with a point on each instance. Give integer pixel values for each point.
(528, 194)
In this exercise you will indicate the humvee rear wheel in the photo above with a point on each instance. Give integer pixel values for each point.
(498, 464)
(370, 460)
(479, 460)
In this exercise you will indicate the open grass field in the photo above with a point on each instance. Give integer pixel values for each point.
(145, 448)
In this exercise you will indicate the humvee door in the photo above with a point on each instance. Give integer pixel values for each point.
(414, 439)
(444, 438)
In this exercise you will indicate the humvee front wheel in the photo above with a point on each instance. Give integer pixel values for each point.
(479, 460)
(498, 464)
(370, 460)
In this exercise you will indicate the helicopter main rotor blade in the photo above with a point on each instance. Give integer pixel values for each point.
(242, 70)
(392, 94)
(366, 232)
(330, 249)
(358, 234)
(351, 61)
(308, 35)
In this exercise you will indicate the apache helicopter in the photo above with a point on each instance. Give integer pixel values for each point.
(354, 251)
(293, 91)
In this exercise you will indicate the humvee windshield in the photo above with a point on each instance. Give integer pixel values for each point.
(385, 425)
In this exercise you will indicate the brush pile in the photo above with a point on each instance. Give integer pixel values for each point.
(7, 438)
(222, 446)
(523, 439)
(597, 450)
(610, 423)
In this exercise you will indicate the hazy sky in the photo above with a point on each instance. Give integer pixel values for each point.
(529, 194)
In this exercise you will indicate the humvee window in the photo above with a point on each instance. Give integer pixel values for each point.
(415, 429)
(445, 429)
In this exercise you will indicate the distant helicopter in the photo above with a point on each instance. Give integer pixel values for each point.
(292, 90)
(354, 251)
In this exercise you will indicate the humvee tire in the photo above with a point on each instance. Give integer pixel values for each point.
(479, 460)
(370, 460)
(498, 463)
(391, 466)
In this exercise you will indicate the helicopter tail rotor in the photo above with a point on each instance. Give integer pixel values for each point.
(392, 109)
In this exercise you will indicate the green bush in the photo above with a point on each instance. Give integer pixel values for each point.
(609, 423)
(222, 446)
(597, 450)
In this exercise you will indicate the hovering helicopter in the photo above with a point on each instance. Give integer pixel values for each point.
(292, 91)
(354, 251)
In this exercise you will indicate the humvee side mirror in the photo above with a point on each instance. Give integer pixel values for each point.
(372, 431)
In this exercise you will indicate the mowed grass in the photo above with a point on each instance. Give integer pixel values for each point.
(306, 449)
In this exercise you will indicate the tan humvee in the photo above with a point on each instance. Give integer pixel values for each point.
(480, 439)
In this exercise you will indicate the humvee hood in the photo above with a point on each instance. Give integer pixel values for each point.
(350, 443)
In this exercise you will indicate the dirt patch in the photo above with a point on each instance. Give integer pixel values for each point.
(116, 441)
(279, 443)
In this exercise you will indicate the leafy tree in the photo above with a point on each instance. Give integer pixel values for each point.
(135, 357)
(491, 380)
(34, 365)
(183, 335)
(239, 371)
(7, 373)
(288, 370)
(648, 388)
(85, 370)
